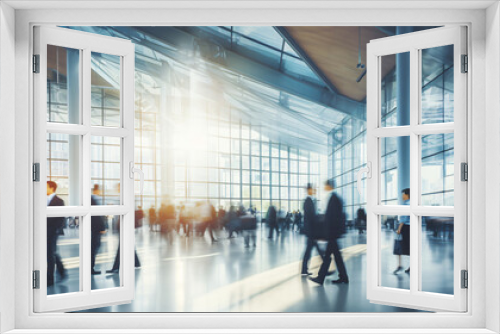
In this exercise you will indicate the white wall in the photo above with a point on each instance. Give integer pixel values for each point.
(492, 165)
(7, 162)
(478, 123)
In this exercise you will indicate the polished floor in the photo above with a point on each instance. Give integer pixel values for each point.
(180, 274)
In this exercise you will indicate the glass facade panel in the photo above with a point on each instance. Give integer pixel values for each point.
(437, 170)
(105, 155)
(63, 85)
(345, 157)
(390, 187)
(105, 94)
(63, 166)
(437, 85)
(391, 88)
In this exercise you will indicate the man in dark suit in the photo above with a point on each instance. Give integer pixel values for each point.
(310, 222)
(98, 227)
(272, 221)
(54, 228)
(334, 220)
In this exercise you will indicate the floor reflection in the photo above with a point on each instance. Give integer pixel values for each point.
(180, 274)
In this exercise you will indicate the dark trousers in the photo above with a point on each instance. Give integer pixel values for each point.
(249, 234)
(210, 228)
(94, 249)
(116, 264)
(273, 227)
(311, 243)
(53, 259)
(332, 249)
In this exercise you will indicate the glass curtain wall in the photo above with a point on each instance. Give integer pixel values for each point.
(347, 146)
(190, 150)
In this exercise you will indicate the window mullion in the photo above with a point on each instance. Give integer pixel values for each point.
(85, 236)
(415, 167)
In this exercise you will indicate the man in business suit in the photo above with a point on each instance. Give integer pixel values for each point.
(272, 221)
(98, 227)
(310, 222)
(54, 227)
(334, 220)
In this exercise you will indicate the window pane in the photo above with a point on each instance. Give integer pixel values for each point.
(437, 85)
(105, 251)
(63, 85)
(437, 170)
(392, 165)
(255, 163)
(246, 176)
(105, 162)
(63, 254)
(106, 83)
(391, 64)
(256, 192)
(437, 254)
(394, 246)
(63, 166)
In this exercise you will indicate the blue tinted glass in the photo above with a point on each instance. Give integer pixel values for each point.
(290, 51)
(266, 35)
(262, 53)
(297, 68)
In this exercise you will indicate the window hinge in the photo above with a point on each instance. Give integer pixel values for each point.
(36, 279)
(36, 172)
(464, 171)
(465, 64)
(36, 63)
(465, 279)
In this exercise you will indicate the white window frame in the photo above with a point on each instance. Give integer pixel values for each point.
(413, 43)
(483, 43)
(86, 44)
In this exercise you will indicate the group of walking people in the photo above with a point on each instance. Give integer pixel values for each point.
(279, 220)
(330, 227)
(203, 217)
(55, 228)
(99, 227)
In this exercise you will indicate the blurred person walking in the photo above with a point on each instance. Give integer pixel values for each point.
(233, 221)
(310, 224)
(288, 220)
(152, 218)
(360, 222)
(335, 227)
(402, 243)
(221, 217)
(272, 221)
(139, 216)
(98, 228)
(297, 221)
(184, 220)
(167, 217)
(208, 217)
(54, 229)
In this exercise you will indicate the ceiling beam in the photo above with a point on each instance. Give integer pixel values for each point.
(187, 44)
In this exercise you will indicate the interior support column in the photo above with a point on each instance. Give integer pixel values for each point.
(73, 92)
(166, 144)
(403, 114)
